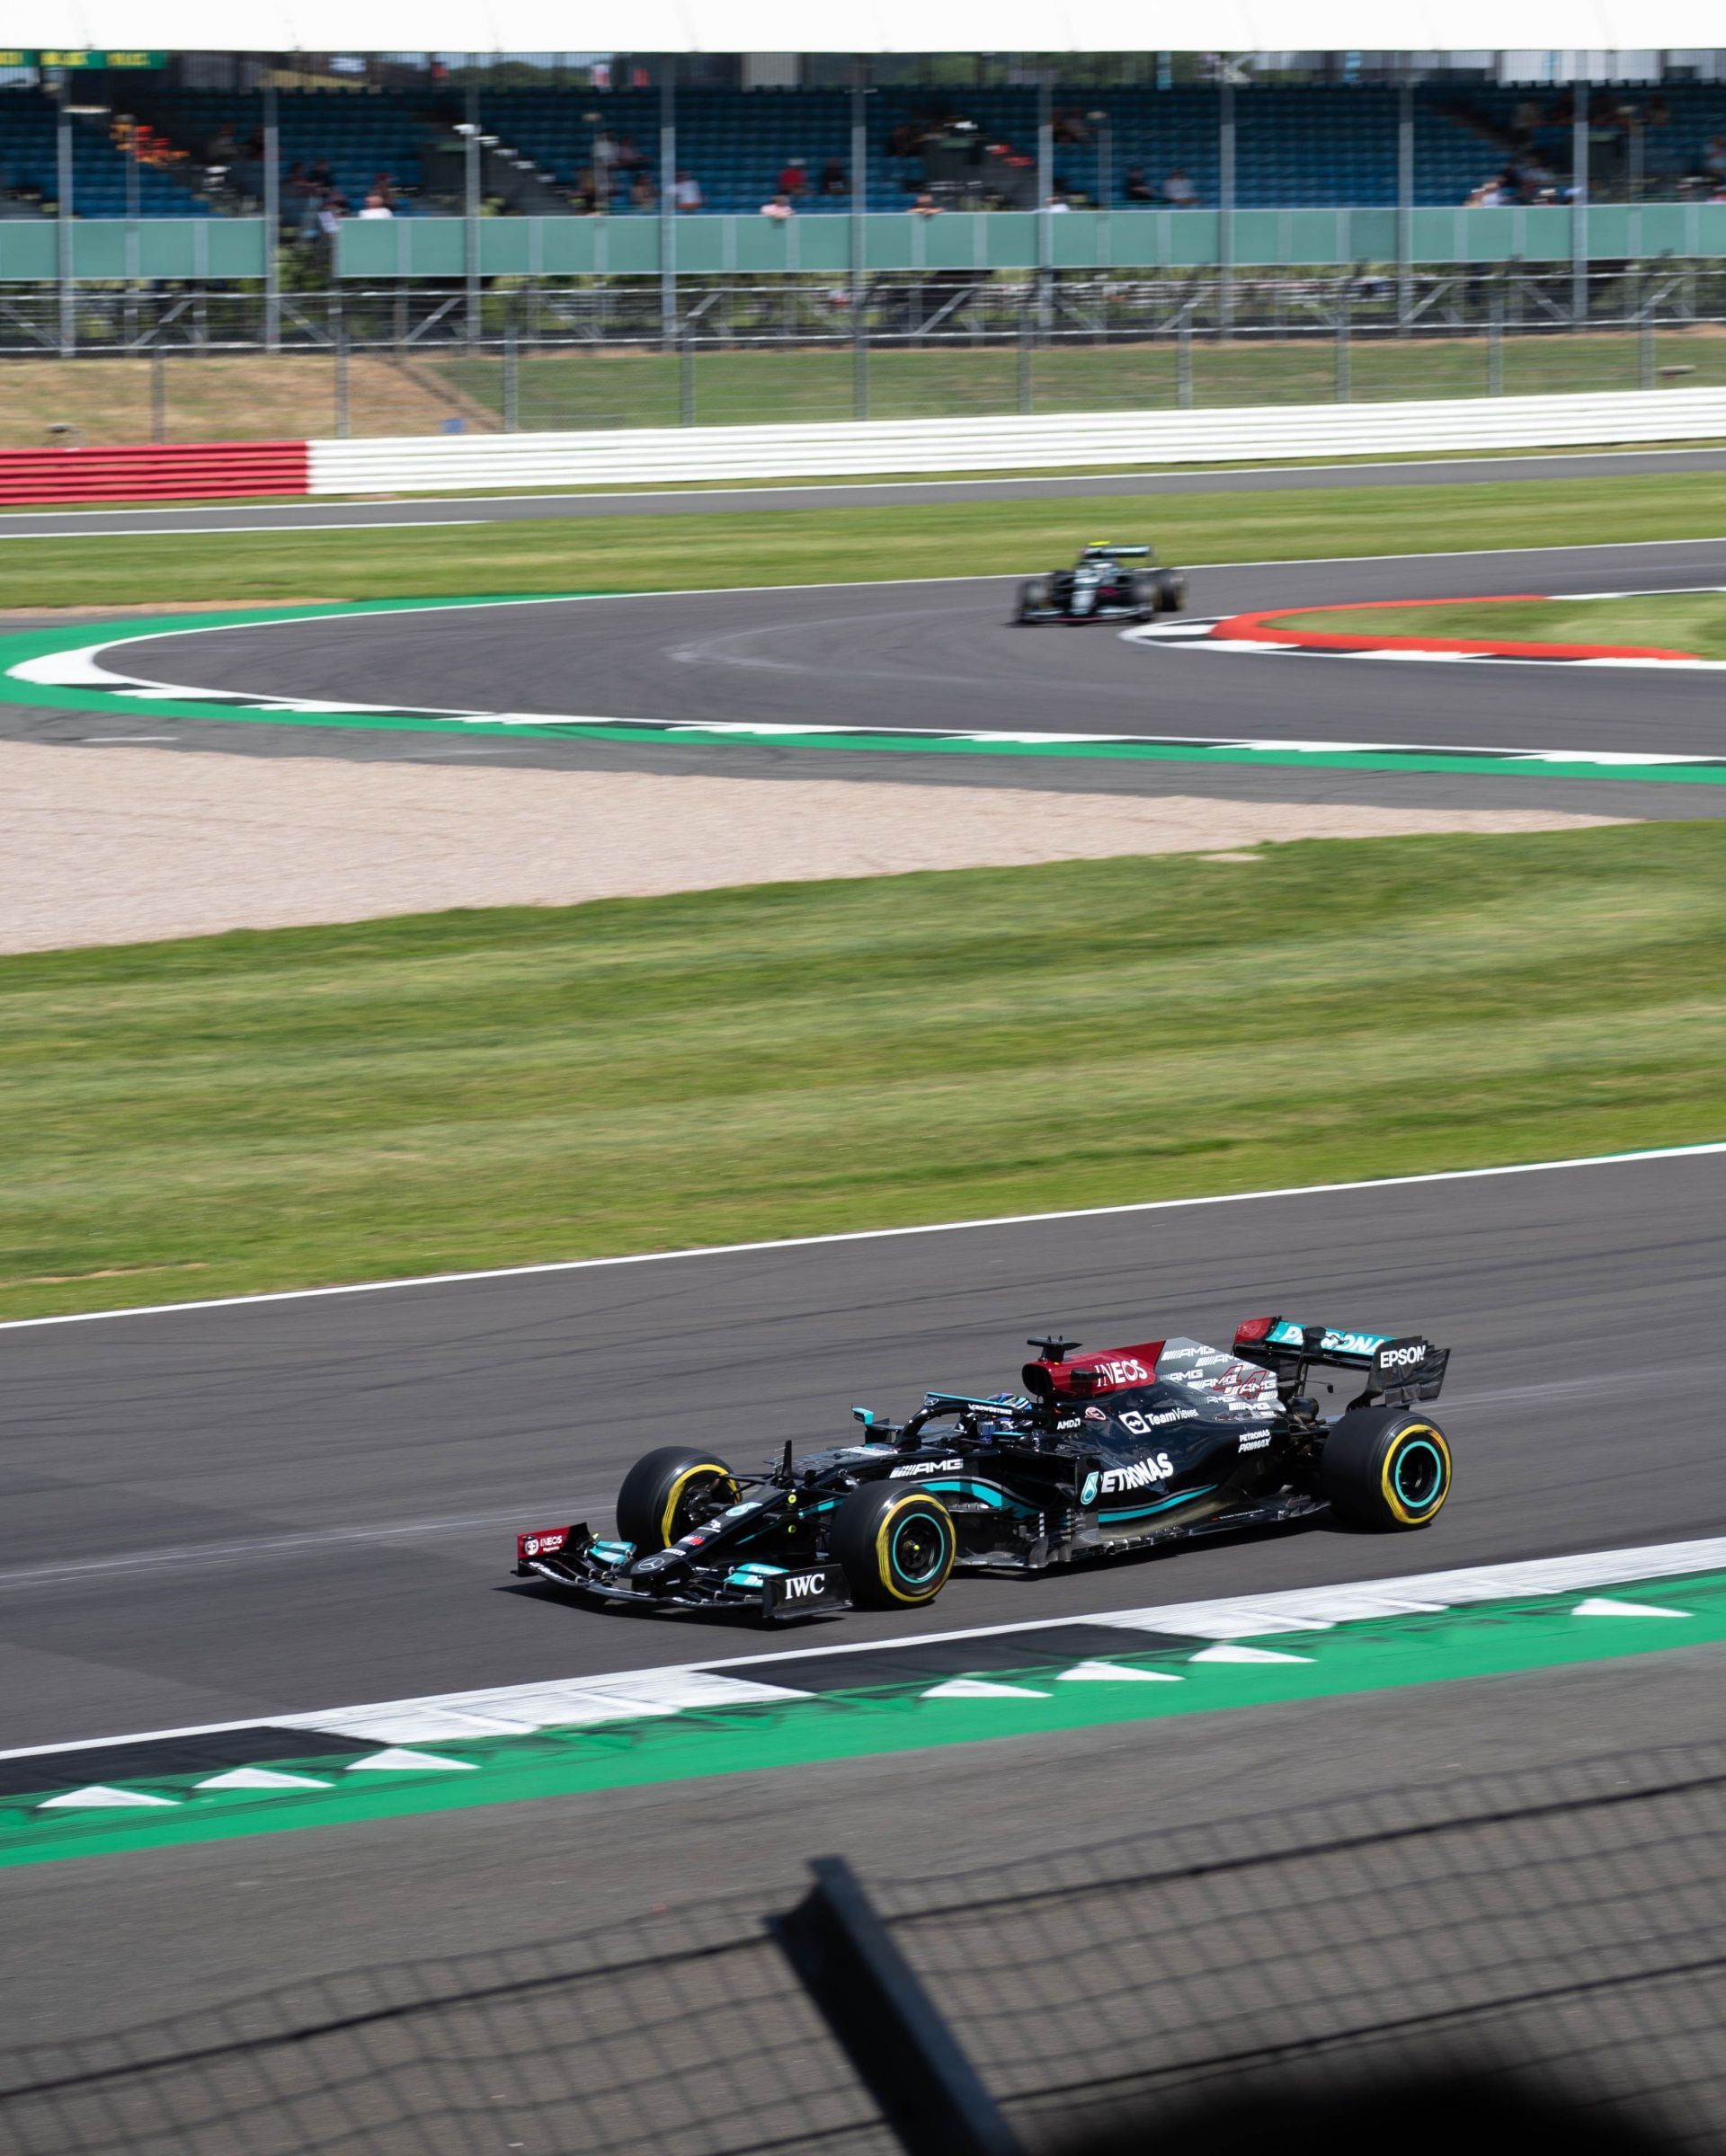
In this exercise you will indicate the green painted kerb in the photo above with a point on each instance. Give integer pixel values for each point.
(1487, 1640)
(115, 704)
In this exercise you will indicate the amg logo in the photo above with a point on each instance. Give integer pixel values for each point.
(1153, 1468)
(927, 1467)
(804, 1586)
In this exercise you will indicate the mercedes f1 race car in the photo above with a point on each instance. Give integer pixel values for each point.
(1100, 1455)
(1104, 584)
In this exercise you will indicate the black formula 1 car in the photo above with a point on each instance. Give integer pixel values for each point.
(1104, 584)
(1100, 1455)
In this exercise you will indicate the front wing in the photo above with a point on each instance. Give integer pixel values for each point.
(576, 1561)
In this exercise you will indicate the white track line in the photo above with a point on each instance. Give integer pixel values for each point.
(872, 1235)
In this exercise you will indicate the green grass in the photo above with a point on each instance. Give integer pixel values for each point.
(1692, 622)
(271, 1110)
(652, 554)
(635, 389)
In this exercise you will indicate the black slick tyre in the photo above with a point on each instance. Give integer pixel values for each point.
(671, 1491)
(1385, 1468)
(896, 1545)
(1170, 588)
(1032, 599)
(1146, 596)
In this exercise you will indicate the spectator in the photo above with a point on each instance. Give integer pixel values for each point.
(925, 206)
(643, 194)
(629, 155)
(1057, 203)
(1137, 187)
(780, 208)
(384, 188)
(685, 192)
(833, 179)
(224, 146)
(1713, 157)
(376, 205)
(318, 174)
(794, 180)
(330, 213)
(1177, 189)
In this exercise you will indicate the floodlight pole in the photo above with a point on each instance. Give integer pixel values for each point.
(1044, 194)
(860, 234)
(1225, 209)
(667, 199)
(1404, 201)
(271, 222)
(63, 225)
(470, 230)
(1579, 202)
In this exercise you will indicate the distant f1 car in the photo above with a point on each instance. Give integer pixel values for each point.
(1103, 585)
(1100, 1455)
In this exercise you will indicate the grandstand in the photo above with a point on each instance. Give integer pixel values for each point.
(1319, 145)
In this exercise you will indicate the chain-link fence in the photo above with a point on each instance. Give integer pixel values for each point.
(1569, 1924)
(214, 366)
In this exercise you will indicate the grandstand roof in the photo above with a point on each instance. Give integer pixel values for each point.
(1030, 26)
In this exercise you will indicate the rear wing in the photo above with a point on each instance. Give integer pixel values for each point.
(1399, 1368)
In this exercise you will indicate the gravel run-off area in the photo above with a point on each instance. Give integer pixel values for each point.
(131, 845)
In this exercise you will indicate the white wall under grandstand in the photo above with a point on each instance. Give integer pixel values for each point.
(674, 455)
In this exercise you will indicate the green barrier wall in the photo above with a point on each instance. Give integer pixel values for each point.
(1141, 239)
(196, 249)
(193, 249)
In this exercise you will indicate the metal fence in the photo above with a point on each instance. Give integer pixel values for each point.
(1569, 1925)
(205, 365)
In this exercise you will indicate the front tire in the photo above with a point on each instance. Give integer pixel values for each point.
(1385, 1469)
(1033, 600)
(897, 1546)
(669, 1492)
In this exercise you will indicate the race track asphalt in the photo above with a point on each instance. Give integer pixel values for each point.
(712, 501)
(292, 1504)
(287, 1505)
(943, 655)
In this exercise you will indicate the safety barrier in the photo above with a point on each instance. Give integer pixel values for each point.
(1225, 435)
(198, 472)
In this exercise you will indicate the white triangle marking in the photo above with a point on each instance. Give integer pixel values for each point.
(1602, 1605)
(396, 1759)
(1107, 1672)
(97, 1797)
(975, 1687)
(259, 1778)
(1229, 1651)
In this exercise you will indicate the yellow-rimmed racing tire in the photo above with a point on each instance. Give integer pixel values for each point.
(896, 1545)
(669, 1492)
(1386, 1468)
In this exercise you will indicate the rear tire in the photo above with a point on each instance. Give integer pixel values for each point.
(1386, 1469)
(896, 1545)
(1032, 599)
(669, 1492)
(1170, 588)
